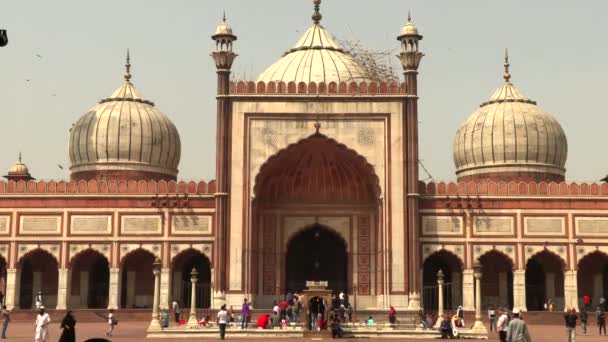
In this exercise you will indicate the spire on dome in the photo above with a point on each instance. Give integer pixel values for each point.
(128, 68)
(316, 16)
(224, 17)
(409, 17)
(20, 156)
(507, 75)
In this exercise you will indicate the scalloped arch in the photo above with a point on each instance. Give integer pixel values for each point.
(449, 253)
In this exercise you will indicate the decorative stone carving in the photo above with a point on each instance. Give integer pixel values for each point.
(597, 226)
(141, 224)
(204, 248)
(154, 248)
(508, 250)
(544, 226)
(429, 249)
(493, 225)
(103, 249)
(191, 224)
(52, 249)
(90, 224)
(584, 250)
(442, 225)
(531, 250)
(37, 224)
(5, 221)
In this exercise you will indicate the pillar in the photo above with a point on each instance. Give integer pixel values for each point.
(439, 298)
(36, 281)
(155, 323)
(165, 288)
(478, 327)
(114, 289)
(131, 279)
(63, 289)
(519, 289)
(468, 293)
(598, 287)
(11, 297)
(456, 289)
(84, 289)
(503, 285)
(570, 290)
(193, 320)
(550, 286)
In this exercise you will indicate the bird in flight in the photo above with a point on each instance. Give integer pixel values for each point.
(60, 166)
(39, 55)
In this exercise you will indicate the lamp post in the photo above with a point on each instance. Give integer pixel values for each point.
(440, 282)
(192, 320)
(478, 327)
(155, 323)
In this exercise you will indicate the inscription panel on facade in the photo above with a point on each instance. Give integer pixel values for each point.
(591, 226)
(33, 224)
(544, 226)
(140, 224)
(493, 225)
(442, 225)
(90, 224)
(5, 224)
(191, 224)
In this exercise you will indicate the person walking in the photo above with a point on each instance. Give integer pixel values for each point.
(6, 318)
(503, 322)
(176, 311)
(245, 314)
(587, 302)
(111, 322)
(601, 320)
(222, 320)
(38, 300)
(42, 326)
(492, 317)
(584, 318)
(571, 319)
(517, 330)
(68, 326)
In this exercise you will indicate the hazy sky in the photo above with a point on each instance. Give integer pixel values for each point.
(558, 58)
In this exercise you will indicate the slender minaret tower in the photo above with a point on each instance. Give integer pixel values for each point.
(223, 57)
(410, 59)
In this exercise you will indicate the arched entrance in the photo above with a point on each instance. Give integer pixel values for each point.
(182, 266)
(316, 253)
(592, 274)
(315, 181)
(3, 278)
(137, 280)
(497, 280)
(38, 272)
(451, 266)
(90, 280)
(545, 281)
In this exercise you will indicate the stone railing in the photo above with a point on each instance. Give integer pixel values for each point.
(512, 189)
(332, 88)
(107, 187)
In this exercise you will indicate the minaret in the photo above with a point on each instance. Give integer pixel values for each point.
(410, 59)
(223, 57)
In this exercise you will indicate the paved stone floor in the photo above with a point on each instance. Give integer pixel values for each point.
(134, 331)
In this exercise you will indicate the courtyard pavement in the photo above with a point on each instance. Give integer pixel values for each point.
(135, 331)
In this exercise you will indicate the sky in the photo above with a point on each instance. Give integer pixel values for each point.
(557, 48)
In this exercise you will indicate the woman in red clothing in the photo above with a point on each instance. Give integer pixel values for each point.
(263, 321)
(392, 315)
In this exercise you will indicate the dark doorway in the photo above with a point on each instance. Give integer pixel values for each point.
(316, 253)
(99, 284)
(185, 262)
(449, 264)
(537, 281)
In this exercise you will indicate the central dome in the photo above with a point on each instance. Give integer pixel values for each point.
(316, 57)
(124, 137)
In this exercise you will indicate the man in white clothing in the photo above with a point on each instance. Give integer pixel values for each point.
(42, 323)
(503, 322)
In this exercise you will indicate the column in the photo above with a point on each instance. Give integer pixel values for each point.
(439, 298)
(456, 289)
(468, 299)
(550, 286)
(63, 287)
(503, 296)
(519, 289)
(478, 327)
(155, 323)
(11, 298)
(598, 291)
(84, 289)
(193, 320)
(114, 290)
(36, 280)
(571, 290)
(131, 278)
(165, 288)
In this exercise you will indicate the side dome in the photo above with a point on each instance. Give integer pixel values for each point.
(510, 138)
(19, 171)
(316, 57)
(124, 137)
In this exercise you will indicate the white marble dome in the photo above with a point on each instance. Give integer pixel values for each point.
(125, 134)
(510, 138)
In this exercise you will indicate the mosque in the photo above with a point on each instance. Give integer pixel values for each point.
(316, 179)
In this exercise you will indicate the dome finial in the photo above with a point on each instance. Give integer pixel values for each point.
(128, 67)
(409, 17)
(507, 75)
(224, 17)
(20, 156)
(316, 17)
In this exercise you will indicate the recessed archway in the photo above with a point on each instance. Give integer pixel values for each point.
(592, 277)
(316, 253)
(182, 266)
(90, 281)
(545, 281)
(39, 272)
(451, 266)
(497, 280)
(137, 280)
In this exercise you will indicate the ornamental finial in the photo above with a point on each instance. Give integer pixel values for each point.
(224, 17)
(409, 17)
(507, 75)
(20, 156)
(128, 68)
(316, 16)
(317, 126)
